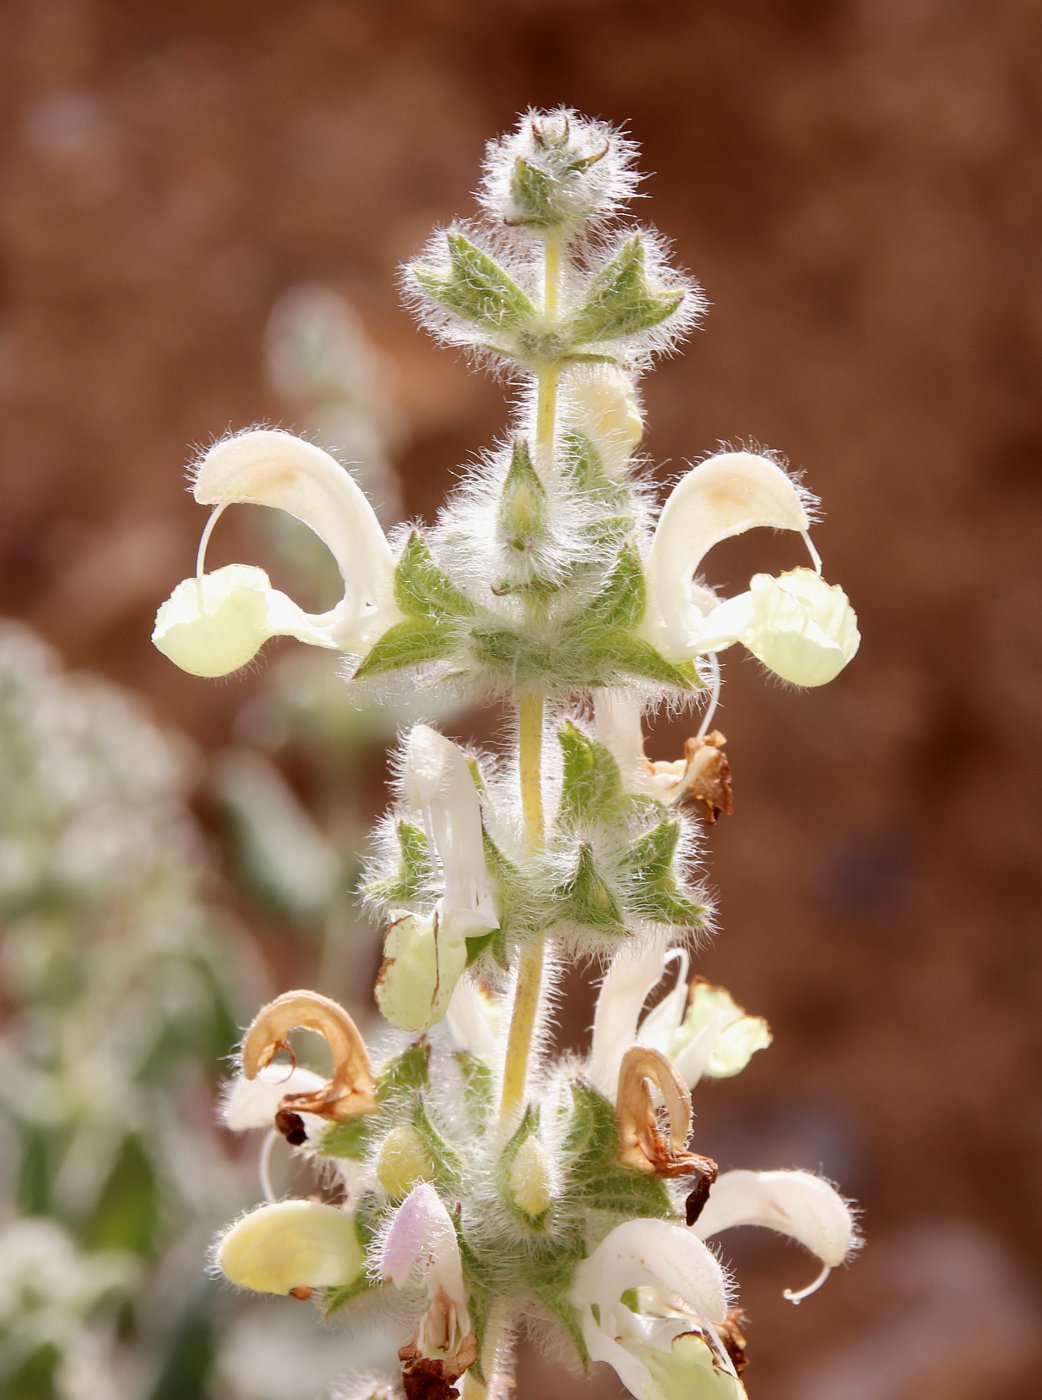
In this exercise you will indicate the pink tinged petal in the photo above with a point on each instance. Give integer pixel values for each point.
(422, 1238)
(797, 1204)
(721, 497)
(253, 1103)
(654, 1254)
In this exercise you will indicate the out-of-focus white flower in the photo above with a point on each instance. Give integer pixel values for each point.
(698, 1027)
(797, 625)
(797, 1204)
(291, 1246)
(678, 1291)
(215, 623)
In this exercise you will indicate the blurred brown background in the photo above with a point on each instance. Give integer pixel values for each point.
(856, 185)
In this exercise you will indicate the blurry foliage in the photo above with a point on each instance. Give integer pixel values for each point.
(123, 989)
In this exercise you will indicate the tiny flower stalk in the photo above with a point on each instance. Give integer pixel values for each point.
(472, 1183)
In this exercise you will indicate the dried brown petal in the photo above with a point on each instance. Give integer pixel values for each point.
(351, 1089)
(707, 778)
(432, 1378)
(643, 1145)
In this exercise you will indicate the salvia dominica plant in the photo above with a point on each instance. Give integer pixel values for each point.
(472, 1186)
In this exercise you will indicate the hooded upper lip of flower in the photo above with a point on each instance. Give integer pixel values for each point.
(798, 626)
(618, 1023)
(216, 622)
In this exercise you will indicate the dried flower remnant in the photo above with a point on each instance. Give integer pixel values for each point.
(490, 1186)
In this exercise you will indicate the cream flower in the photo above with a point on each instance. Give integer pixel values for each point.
(215, 623)
(291, 1247)
(698, 1027)
(797, 625)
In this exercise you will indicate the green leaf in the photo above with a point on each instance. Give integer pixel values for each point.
(596, 1180)
(408, 643)
(654, 892)
(627, 1192)
(415, 870)
(619, 301)
(632, 655)
(587, 898)
(347, 1138)
(591, 787)
(420, 587)
(533, 192)
(548, 1270)
(480, 1295)
(406, 1072)
(476, 288)
(448, 1169)
(478, 1086)
(621, 603)
(367, 1221)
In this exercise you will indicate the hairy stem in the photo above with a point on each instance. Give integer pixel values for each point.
(530, 971)
(528, 991)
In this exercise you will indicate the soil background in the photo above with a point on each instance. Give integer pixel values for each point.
(857, 187)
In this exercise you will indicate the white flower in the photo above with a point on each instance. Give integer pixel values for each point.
(678, 1290)
(425, 955)
(253, 1103)
(215, 623)
(797, 1204)
(291, 1246)
(421, 1245)
(797, 624)
(439, 784)
(698, 1027)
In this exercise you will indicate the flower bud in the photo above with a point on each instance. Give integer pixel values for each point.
(403, 1161)
(421, 967)
(528, 1178)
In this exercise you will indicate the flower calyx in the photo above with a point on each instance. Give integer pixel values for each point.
(350, 1090)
